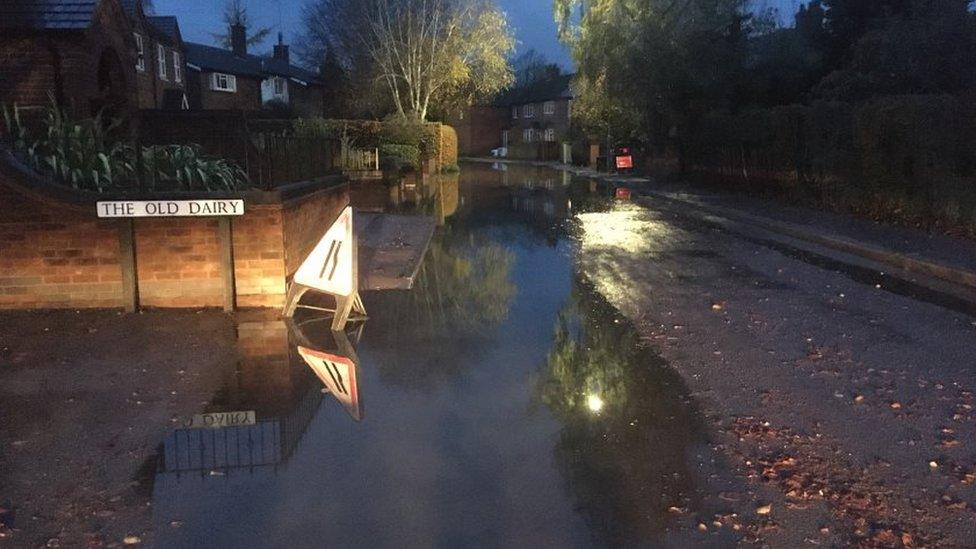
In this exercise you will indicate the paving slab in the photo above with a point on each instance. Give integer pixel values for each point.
(391, 249)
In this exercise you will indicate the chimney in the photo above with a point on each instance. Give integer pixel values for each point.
(238, 40)
(281, 50)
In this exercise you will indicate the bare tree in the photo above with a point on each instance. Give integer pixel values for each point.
(425, 54)
(236, 14)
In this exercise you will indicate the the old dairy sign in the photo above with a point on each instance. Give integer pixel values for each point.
(331, 268)
(170, 208)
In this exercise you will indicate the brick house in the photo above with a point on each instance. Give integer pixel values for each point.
(89, 54)
(539, 118)
(234, 79)
(529, 122)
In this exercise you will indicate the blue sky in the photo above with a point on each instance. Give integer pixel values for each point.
(531, 19)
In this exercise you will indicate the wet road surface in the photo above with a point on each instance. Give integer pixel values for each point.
(567, 371)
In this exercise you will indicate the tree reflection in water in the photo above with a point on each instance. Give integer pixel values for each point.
(463, 291)
(628, 424)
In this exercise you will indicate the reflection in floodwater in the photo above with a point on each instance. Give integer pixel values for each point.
(337, 369)
(628, 425)
(485, 426)
(271, 384)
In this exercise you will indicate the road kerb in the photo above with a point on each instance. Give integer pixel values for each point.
(896, 259)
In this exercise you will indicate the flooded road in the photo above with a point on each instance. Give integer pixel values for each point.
(568, 370)
(500, 402)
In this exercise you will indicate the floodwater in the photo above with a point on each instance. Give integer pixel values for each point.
(501, 402)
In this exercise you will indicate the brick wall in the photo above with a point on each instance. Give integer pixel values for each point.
(259, 257)
(54, 254)
(246, 98)
(480, 130)
(178, 262)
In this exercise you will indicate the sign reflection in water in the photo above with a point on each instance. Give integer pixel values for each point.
(274, 380)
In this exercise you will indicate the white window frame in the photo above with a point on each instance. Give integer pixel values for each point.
(527, 135)
(528, 111)
(140, 52)
(161, 57)
(177, 68)
(229, 84)
(278, 82)
(515, 112)
(550, 135)
(549, 108)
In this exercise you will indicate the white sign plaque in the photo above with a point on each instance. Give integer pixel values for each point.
(170, 208)
(329, 268)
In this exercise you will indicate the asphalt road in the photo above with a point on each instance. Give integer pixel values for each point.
(842, 395)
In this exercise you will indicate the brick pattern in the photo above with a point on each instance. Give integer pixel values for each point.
(246, 98)
(259, 257)
(58, 256)
(265, 379)
(55, 257)
(178, 262)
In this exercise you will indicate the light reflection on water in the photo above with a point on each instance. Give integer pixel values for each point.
(502, 402)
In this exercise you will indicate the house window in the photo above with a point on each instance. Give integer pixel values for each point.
(569, 109)
(515, 113)
(223, 82)
(527, 135)
(279, 86)
(549, 107)
(528, 111)
(140, 52)
(161, 55)
(550, 135)
(177, 68)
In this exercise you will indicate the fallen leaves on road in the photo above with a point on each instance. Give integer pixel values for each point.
(811, 468)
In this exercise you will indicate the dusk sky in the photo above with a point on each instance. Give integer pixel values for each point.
(531, 19)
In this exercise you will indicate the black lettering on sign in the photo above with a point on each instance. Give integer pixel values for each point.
(331, 262)
(336, 376)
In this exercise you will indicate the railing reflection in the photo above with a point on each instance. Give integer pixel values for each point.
(275, 380)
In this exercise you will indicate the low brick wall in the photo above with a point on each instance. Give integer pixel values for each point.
(53, 255)
(56, 253)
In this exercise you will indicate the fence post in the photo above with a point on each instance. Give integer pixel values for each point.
(127, 263)
(226, 237)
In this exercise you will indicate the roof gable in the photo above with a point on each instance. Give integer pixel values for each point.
(167, 26)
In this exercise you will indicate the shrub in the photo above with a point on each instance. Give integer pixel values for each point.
(399, 157)
(398, 130)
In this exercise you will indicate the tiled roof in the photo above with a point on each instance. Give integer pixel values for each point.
(278, 67)
(221, 60)
(47, 14)
(548, 89)
(167, 25)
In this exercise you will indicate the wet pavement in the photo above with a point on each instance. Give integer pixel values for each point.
(567, 370)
